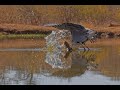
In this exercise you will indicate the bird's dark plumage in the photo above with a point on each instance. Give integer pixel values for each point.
(69, 26)
(79, 33)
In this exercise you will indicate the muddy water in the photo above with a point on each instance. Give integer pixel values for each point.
(22, 62)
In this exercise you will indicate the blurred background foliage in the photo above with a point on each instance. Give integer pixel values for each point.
(43, 14)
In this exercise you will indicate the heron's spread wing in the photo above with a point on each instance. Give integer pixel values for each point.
(78, 32)
(69, 26)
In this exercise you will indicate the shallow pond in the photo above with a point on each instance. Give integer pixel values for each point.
(23, 62)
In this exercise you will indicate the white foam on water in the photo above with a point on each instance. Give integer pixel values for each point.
(53, 40)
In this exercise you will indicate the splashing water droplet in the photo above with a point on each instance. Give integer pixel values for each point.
(54, 48)
(53, 40)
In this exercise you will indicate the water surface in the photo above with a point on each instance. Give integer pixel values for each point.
(32, 66)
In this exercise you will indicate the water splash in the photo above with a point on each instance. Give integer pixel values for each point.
(56, 60)
(55, 48)
(53, 40)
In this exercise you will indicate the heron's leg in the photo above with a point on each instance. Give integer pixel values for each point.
(94, 40)
(83, 46)
(91, 41)
(86, 46)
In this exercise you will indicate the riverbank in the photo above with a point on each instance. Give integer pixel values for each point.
(21, 31)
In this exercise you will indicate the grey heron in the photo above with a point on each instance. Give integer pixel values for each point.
(79, 33)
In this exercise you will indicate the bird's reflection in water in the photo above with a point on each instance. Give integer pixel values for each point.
(79, 62)
(28, 68)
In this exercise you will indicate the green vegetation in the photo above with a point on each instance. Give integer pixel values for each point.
(22, 36)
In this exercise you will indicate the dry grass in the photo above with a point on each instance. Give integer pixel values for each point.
(23, 14)
(23, 27)
(107, 29)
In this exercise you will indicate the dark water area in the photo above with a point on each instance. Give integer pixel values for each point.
(32, 66)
